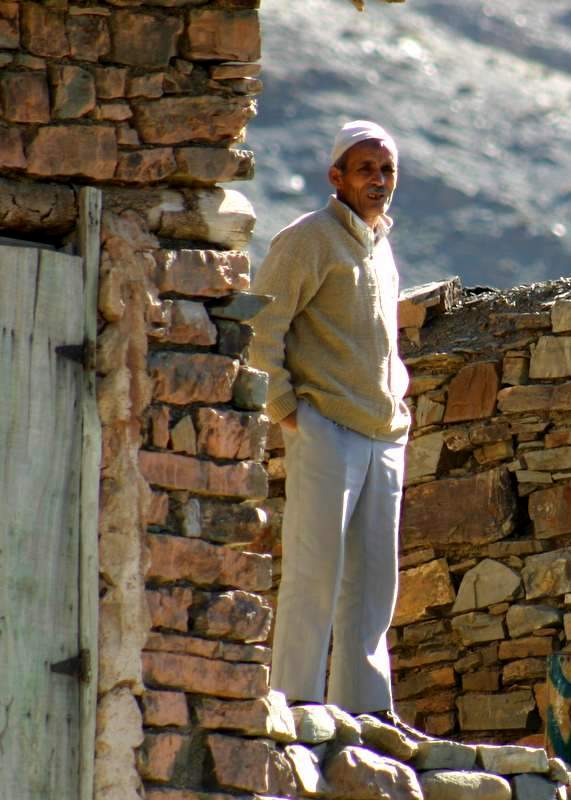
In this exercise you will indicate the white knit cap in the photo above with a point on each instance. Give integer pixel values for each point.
(358, 131)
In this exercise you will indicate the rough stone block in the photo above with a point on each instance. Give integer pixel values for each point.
(205, 120)
(452, 785)
(420, 682)
(477, 627)
(507, 711)
(483, 680)
(233, 338)
(150, 85)
(222, 216)
(445, 755)
(160, 418)
(305, 765)
(158, 508)
(204, 675)
(547, 574)
(182, 378)
(515, 370)
(267, 716)
(227, 523)
(221, 35)
(74, 150)
(9, 26)
(43, 30)
(551, 358)
(242, 307)
(524, 619)
(88, 36)
(119, 732)
(521, 399)
(169, 607)
(523, 671)
(110, 82)
(208, 648)
(561, 316)
(202, 273)
(487, 583)
(472, 393)
(11, 149)
(386, 739)
(231, 434)
(165, 709)
(174, 558)
(526, 647)
(250, 764)
(422, 456)
(483, 510)
(236, 615)
(358, 774)
(165, 757)
(144, 39)
(245, 479)
(421, 588)
(428, 412)
(24, 97)
(534, 787)
(313, 724)
(144, 166)
(550, 510)
(183, 436)
(511, 759)
(188, 323)
(553, 459)
(250, 389)
(206, 166)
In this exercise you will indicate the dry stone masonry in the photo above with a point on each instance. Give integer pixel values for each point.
(486, 524)
(148, 100)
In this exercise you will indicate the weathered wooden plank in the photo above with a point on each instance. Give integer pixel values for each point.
(90, 202)
(41, 307)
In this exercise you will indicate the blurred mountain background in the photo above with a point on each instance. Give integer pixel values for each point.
(478, 96)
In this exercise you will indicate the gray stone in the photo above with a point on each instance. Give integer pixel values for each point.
(348, 729)
(522, 619)
(512, 759)
(233, 338)
(534, 787)
(478, 627)
(241, 307)
(386, 739)
(558, 771)
(358, 774)
(561, 316)
(422, 456)
(551, 358)
(306, 769)
(479, 711)
(441, 754)
(250, 389)
(464, 786)
(554, 458)
(313, 724)
(547, 574)
(485, 584)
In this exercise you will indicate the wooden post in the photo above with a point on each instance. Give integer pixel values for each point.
(558, 722)
(90, 204)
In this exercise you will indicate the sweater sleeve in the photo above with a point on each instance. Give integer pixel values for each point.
(289, 274)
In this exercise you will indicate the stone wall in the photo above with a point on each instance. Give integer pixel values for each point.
(486, 524)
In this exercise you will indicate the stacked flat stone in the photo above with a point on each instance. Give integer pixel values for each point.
(263, 748)
(486, 527)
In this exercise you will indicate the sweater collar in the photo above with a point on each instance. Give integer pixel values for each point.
(356, 226)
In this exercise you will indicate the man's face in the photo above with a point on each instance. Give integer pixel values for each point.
(368, 180)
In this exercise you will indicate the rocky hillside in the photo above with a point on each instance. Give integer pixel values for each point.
(477, 94)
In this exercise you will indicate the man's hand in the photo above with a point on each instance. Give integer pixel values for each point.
(289, 423)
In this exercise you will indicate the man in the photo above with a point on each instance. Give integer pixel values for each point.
(329, 344)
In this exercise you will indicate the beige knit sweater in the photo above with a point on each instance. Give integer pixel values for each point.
(330, 336)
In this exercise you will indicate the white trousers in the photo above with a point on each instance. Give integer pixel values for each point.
(339, 569)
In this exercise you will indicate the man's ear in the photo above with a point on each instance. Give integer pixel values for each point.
(334, 176)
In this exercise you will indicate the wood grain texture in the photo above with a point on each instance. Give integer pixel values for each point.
(90, 202)
(41, 307)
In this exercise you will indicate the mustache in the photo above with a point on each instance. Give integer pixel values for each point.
(376, 190)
